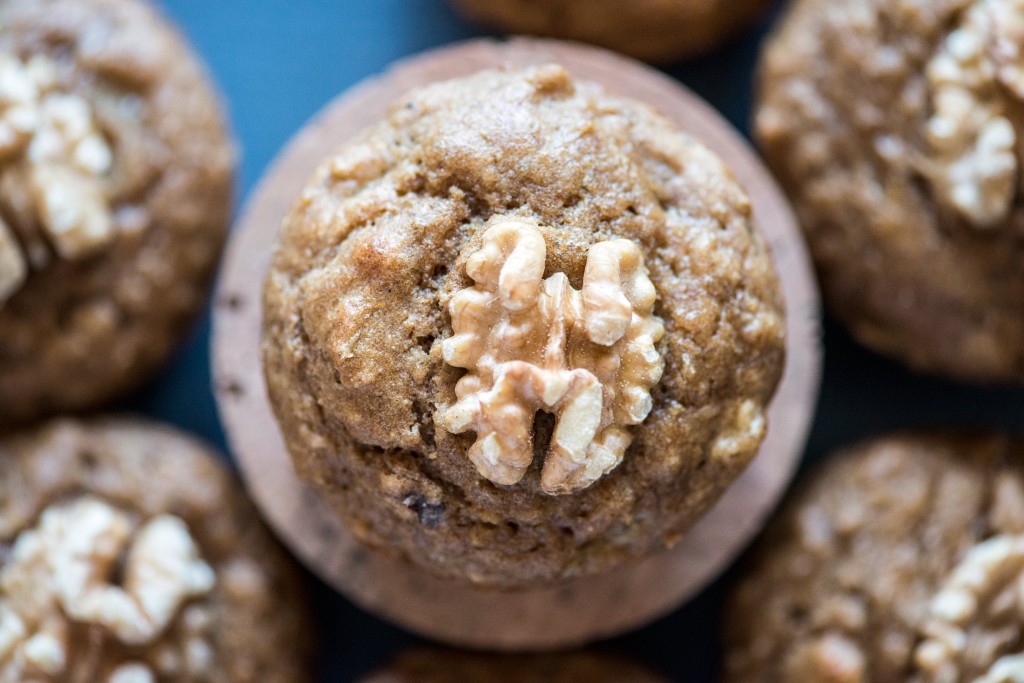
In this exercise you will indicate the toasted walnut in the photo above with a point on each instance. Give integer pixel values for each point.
(51, 140)
(59, 572)
(974, 165)
(534, 344)
(976, 617)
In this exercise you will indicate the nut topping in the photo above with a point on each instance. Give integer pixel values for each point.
(50, 140)
(986, 587)
(532, 344)
(58, 573)
(973, 163)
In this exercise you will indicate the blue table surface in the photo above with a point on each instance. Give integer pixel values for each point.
(278, 62)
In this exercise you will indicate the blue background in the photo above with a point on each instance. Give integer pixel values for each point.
(277, 63)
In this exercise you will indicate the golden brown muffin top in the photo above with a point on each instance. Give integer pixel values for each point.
(901, 560)
(357, 313)
(128, 553)
(895, 127)
(115, 195)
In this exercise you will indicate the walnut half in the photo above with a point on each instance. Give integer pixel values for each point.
(59, 574)
(532, 344)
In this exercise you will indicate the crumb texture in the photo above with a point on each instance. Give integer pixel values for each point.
(654, 30)
(128, 555)
(115, 196)
(901, 560)
(895, 127)
(373, 254)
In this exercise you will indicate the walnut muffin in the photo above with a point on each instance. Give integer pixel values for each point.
(895, 126)
(521, 330)
(654, 30)
(901, 560)
(115, 195)
(443, 666)
(128, 554)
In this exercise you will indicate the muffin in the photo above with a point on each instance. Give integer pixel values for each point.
(521, 330)
(115, 195)
(895, 127)
(443, 666)
(127, 553)
(654, 30)
(901, 560)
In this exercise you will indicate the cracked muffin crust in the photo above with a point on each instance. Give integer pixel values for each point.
(901, 560)
(895, 127)
(128, 554)
(442, 666)
(654, 30)
(115, 196)
(356, 318)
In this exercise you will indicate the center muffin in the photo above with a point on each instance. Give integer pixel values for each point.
(521, 330)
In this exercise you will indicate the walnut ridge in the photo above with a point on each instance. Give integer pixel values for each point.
(588, 356)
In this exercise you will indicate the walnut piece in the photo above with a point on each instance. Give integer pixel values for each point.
(59, 571)
(532, 344)
(50, 139)
(973, 144)
(968, 619)
(831, 657)
(132, 673)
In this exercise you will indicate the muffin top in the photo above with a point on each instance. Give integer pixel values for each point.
(655, 30)
(115, 194)
(128, 554)
(895, 127)
(901, 560)
(521, 329)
